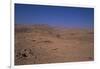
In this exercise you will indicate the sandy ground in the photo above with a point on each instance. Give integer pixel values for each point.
(39, 44)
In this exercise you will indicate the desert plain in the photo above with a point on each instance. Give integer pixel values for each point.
(41, 44)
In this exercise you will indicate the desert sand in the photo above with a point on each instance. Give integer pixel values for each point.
(40, 44)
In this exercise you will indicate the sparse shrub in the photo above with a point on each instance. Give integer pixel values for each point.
(58, 35)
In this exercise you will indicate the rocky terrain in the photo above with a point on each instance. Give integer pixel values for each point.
(40, 44)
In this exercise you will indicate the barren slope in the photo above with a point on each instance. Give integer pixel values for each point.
(40, 44)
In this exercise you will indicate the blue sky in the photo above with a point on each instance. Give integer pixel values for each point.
(77, 17)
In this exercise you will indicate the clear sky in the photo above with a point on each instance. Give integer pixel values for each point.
(54, 15)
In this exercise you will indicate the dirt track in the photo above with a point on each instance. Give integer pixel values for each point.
(44, 44)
